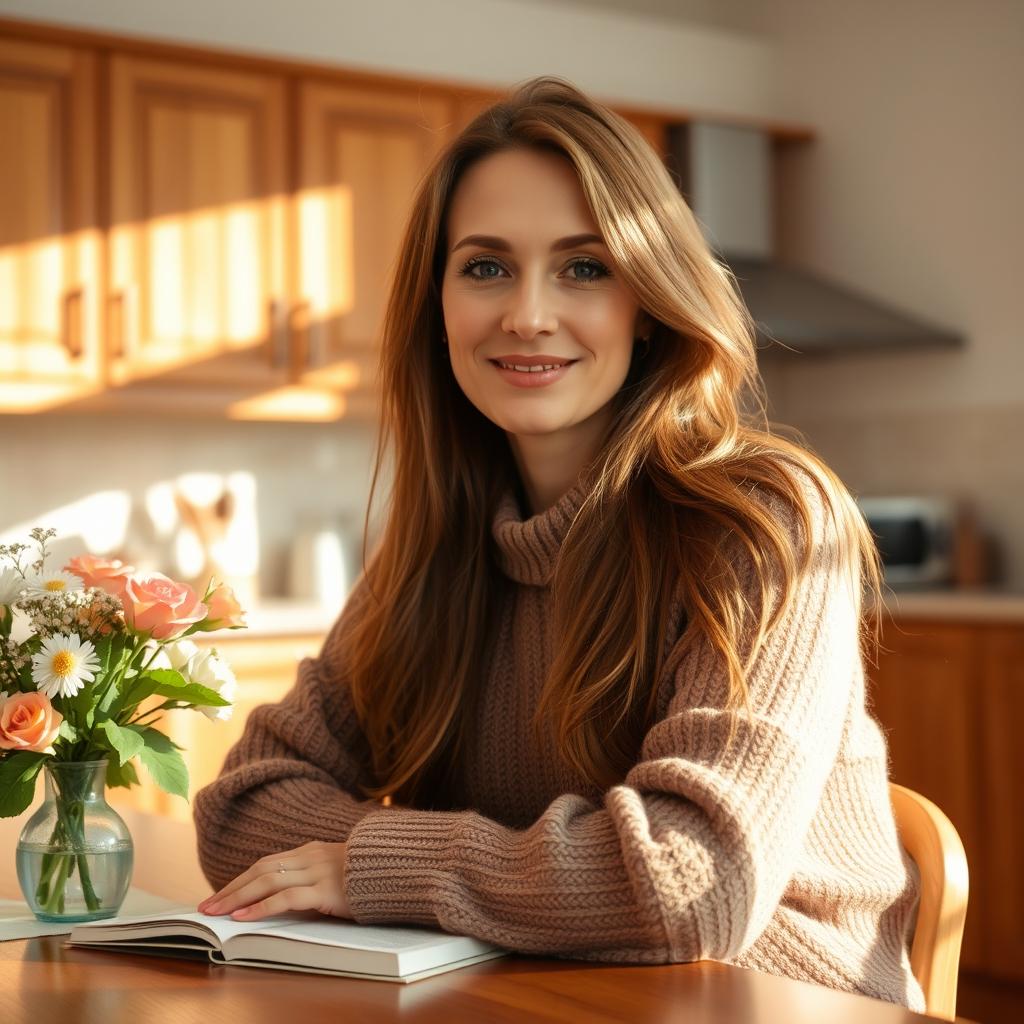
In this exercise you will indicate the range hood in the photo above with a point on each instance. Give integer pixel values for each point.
(725, 173)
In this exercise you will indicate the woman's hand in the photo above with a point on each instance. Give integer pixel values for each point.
(311, 877)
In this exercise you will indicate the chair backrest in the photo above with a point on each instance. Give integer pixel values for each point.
(933, 844)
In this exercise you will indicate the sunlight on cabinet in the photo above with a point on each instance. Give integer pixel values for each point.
(198, 219)
(50, 243)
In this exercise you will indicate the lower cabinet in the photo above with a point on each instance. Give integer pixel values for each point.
(950, 698)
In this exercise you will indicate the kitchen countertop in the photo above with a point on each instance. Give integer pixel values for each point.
(281, 616)
(964, 605)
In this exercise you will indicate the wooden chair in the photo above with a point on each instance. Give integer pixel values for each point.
(934, 846)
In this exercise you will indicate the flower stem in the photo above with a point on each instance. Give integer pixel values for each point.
(70, 831)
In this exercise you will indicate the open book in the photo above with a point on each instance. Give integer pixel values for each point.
(296, 941)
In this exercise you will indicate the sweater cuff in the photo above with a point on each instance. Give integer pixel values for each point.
(397, 864)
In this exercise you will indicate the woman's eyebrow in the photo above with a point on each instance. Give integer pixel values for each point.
(493, 242)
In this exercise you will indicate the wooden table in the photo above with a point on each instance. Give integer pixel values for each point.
(42, 980)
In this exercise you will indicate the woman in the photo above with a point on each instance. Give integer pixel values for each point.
(605, 659)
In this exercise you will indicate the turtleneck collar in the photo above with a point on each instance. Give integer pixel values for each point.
(528, 548)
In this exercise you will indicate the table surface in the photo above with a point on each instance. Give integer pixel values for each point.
(45, 980)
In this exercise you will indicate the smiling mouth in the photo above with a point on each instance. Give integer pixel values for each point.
(531, 367)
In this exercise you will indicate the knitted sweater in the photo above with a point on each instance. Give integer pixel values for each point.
(779, 854)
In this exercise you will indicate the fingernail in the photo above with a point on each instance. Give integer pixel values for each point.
(212, 908)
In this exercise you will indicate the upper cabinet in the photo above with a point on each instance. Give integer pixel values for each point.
(197, 198)
(50, 241)
(361, 155)
(190, 232)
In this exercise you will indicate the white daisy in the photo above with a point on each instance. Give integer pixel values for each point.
(11, 586)
(64, 665)
(52, 583)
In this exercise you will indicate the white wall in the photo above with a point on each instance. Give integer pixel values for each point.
(913, 193)
(618, 56)
(913, 190)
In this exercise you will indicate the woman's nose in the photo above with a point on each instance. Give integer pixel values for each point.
(531, 309)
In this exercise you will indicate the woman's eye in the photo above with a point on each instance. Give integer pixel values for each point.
(594, 270)
(584, 271)
(486, 265)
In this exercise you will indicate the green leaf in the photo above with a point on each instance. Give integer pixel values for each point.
(168, 683)
(163, 762)
(67, 732)
(165, 677)
(78, 707)
(123, 775)
(193, 693)
(126, 742)
(18, 781)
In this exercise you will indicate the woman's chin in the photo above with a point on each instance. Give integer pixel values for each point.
(534, 425)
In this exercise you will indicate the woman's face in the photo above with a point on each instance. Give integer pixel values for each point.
(540, 327)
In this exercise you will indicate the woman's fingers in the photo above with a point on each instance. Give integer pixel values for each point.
(316, 870)
(293, 898)
(259, 889)
(263, 869)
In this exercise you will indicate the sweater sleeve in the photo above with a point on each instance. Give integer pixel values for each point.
(688, 858)
(293, 777)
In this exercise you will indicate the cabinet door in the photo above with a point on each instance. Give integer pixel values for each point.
(362, 153)
(925, 695)
(1003, 760)
(50, 242)
(198, 220)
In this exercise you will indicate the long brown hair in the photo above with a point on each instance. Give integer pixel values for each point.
(688, 460)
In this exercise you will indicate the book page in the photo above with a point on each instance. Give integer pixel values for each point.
(333, 931)
(213, 929)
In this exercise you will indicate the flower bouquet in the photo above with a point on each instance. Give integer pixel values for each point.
(90, 658)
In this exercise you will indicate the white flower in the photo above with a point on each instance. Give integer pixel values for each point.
(52, 583)
(206, 669)
(179, 654)
(11, 586)
(64, 665)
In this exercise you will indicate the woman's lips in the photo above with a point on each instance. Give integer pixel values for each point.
(531, 378)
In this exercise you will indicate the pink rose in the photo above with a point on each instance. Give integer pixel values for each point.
(159, 606)
(107, 574)
(28, 721)
(224, 610)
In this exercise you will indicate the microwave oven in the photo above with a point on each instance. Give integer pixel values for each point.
(917, 538)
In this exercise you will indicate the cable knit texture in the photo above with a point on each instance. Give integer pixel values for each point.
(779, 854)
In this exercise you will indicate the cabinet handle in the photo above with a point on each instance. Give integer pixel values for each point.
(122, 321)
(72, 325)
(277, 334)
(298, 348)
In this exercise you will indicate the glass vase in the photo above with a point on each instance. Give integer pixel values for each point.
(75, 853)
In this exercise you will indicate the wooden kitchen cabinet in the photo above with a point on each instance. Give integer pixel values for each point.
(950, 698)
(922, 697)
(188, 232)
(51, 246)
(1002, 756)
(361, 155)
(197, 195)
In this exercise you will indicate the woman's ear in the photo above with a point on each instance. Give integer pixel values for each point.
(644, 325)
